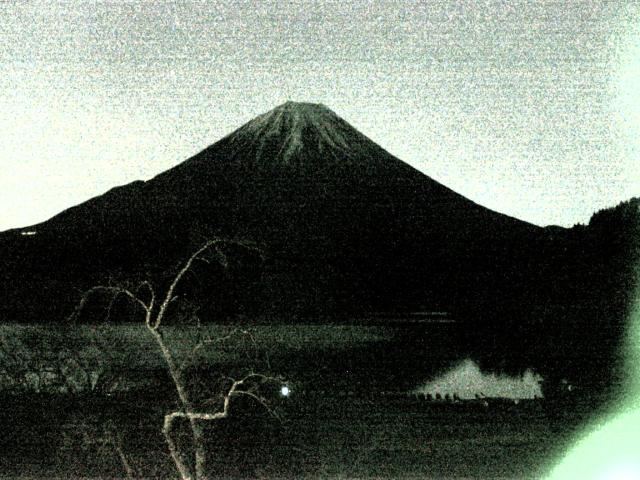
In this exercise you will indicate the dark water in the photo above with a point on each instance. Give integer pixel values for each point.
(320, 434)
(348, 415)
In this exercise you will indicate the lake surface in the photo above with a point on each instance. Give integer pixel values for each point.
(348, 413)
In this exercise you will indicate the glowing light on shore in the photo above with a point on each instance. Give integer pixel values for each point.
(467, 381)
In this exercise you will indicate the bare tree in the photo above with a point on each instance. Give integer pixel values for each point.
(48, 360)
(155, 307)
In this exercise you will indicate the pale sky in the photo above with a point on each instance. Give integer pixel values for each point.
(531, 108)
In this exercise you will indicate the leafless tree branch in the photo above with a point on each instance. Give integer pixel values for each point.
(153, 322)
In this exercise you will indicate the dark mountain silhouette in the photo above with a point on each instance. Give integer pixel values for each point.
(346, 228)
(344, 224)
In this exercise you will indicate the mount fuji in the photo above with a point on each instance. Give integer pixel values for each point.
(345, 225)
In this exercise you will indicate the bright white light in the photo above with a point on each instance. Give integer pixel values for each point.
(28, 233)
(285, 391)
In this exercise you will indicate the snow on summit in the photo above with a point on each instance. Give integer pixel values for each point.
(292, 127)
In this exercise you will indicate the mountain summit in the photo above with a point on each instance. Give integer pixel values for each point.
(300, 139)
(294, 130)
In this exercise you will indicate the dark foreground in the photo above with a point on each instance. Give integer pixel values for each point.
(317, 436)
(346, 416)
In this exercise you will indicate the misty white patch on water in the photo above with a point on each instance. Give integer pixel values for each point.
(468, 381)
